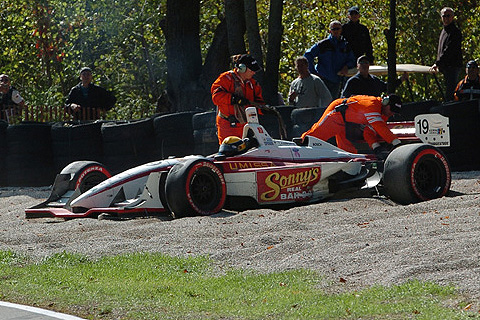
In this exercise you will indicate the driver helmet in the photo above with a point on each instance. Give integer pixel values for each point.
(231, 146)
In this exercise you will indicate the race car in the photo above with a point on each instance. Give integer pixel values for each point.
(249, 172)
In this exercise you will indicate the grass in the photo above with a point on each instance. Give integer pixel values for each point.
(155, 286)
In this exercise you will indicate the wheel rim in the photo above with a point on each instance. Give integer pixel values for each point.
(429, 177)
(204, 190)
(91, 180)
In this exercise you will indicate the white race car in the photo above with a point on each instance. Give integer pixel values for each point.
(256, 171)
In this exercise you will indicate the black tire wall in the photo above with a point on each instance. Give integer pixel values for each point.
(464, 120)
(3, 151)
(29, 158)
(304, 118)
(412, 109)
(72, 142)
(270, 122)
(126, 145)
(174, 134)
(205, 133)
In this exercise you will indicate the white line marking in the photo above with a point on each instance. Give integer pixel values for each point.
(44, 312)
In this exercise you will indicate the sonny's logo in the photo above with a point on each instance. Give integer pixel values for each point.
(276, 182)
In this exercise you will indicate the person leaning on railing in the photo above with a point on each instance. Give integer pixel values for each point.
(86, 101)
(10, 100)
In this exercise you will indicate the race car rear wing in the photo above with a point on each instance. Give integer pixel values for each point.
(432, 128)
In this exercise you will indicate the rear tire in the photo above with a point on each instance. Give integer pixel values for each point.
(416, 172)
(195, 187)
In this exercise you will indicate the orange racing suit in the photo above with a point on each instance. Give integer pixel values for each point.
(229, 83)
(365, 111)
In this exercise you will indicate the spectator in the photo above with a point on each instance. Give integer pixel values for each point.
(357, 35)
(334, 58)
(86, 100)
(364, 114)
(364, 83)
(449, 52)
(469, 88)
(232, 93)
(10, 100)
(308, 90)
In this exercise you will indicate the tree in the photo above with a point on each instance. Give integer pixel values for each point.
(47, 41)
(392, 50)
(184, 60)
(275, 31)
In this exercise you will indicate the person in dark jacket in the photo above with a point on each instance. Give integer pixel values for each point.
(10, 100)
(86, 101)
(469, 87)
(449, 53)
(364, 83)
(334, 58)
(357, 35)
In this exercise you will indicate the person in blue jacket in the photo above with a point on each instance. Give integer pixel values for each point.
(334, 58)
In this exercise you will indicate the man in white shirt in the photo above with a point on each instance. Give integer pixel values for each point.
(308, 90)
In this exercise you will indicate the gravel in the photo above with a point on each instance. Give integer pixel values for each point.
(355, 242)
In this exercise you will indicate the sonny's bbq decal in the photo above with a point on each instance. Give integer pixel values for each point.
(287, 185)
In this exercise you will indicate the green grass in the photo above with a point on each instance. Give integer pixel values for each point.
(155, 286)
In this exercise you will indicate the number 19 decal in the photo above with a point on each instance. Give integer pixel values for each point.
(433, 129)
(423, 126)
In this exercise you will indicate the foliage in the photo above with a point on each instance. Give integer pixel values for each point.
(46, 42)
(155, 286)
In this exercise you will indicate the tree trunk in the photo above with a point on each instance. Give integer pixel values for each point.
(253, 35)
(275, 31)
(216, 62)
(184, 60)
(392, 50)
(235, 18)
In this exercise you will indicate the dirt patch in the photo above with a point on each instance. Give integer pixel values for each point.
(363, 241)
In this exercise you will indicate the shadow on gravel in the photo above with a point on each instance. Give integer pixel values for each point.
(36, 193)
(452, 194)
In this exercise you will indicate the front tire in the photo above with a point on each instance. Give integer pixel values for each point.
(416, 172)
(195, 187)
(86, 174)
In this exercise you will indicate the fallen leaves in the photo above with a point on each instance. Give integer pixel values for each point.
(363, 224)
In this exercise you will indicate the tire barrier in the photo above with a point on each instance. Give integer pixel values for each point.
(73, 141)
(412, 109)
(270, 122)
(32, 153)
(464, 119)
(129, 144)
(205, 133)
(174, 134)
(304, 118)
(3, 151)
(29, 158)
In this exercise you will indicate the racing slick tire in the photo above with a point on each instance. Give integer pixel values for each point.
(416, 172)
(195, 187)
(86, 174)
